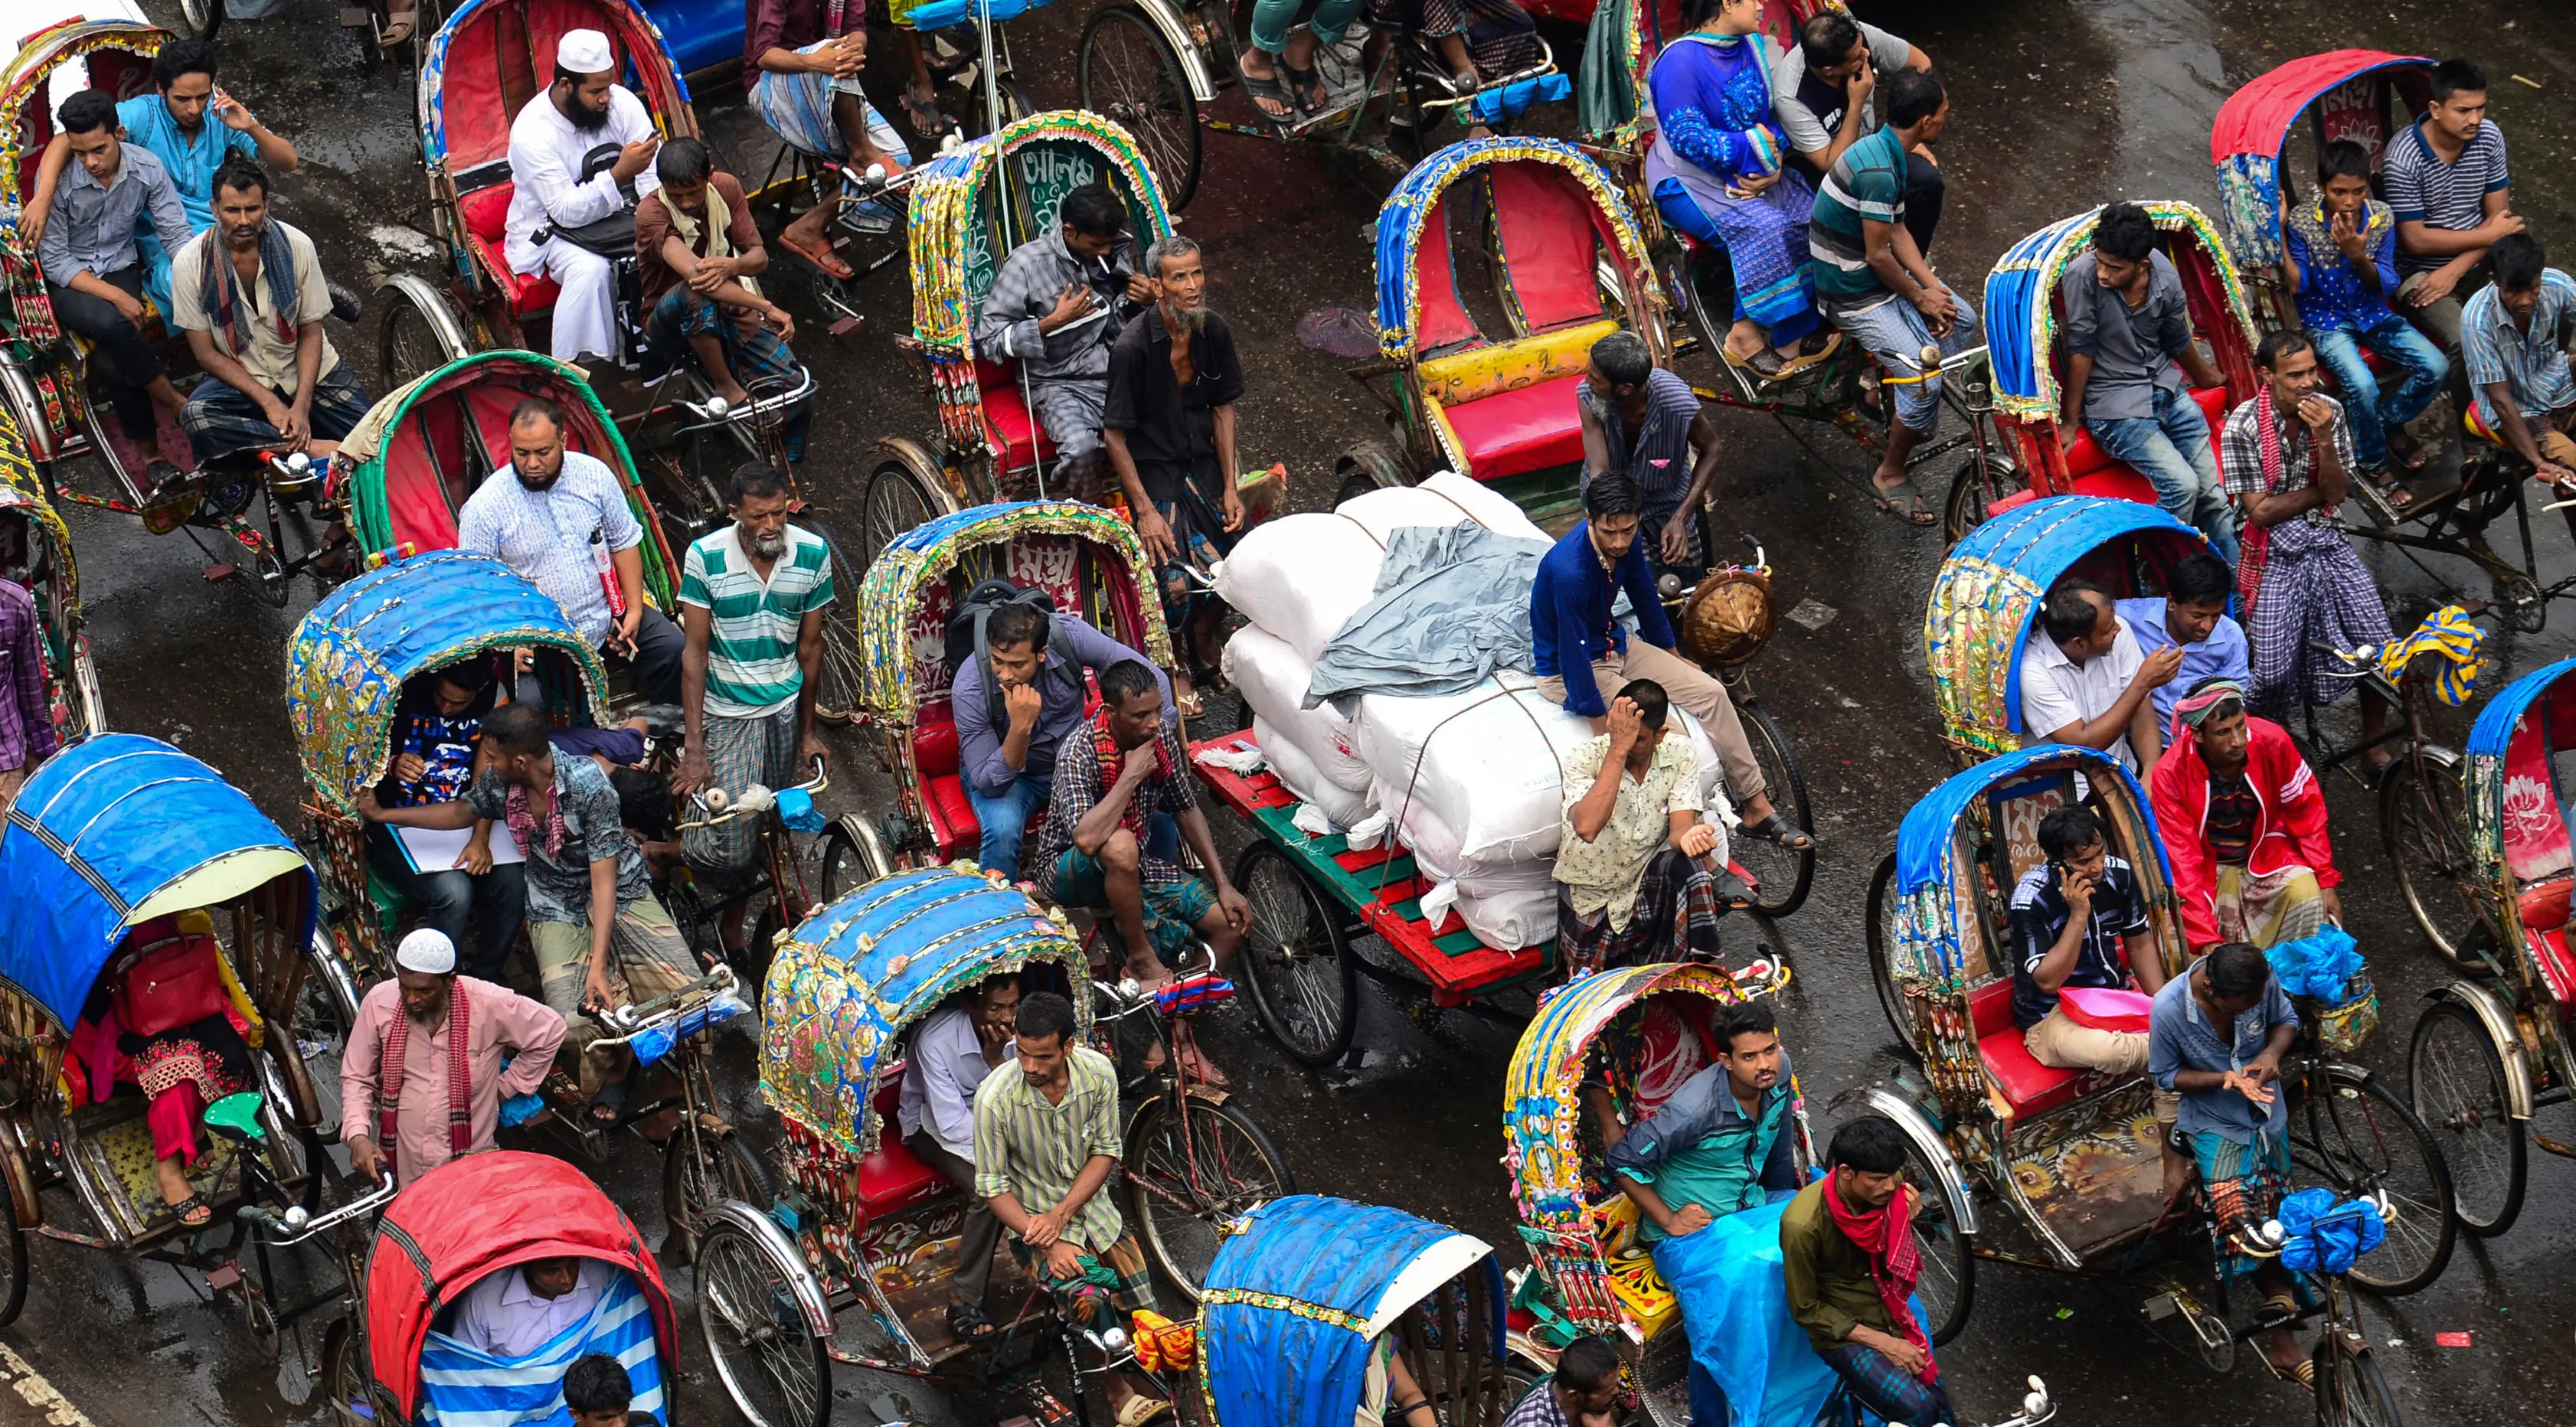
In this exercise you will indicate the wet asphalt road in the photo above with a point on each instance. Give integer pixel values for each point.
(2059, 104)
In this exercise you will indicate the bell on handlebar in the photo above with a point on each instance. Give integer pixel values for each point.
(2272, 1235)
(716, 799)
(1668, 585)
(718, 406)
(876, 173)
(297, 1216)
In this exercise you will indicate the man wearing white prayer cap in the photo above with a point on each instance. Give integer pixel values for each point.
(421, 1080)
(585, 109)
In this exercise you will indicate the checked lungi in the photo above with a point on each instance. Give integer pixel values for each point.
(2314, 589)
(1675, 918)
(741, 752)
(221, 419)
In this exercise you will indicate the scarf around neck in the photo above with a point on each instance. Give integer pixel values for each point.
(522, 821)
(460, 1085)
(1112, 759)
(1886, 1236)
(219, 294)
(718, 228)
(2254, 542)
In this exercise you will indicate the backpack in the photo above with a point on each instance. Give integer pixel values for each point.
(966, 622)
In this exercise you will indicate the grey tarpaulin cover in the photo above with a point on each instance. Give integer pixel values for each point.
(1452, 607)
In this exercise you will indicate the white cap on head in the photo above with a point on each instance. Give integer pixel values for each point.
(427, 951)
(584, 52)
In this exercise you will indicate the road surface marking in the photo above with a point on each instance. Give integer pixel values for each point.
(39, 1393)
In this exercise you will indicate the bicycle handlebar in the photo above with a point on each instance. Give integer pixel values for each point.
(754, 800)
(297, 1224)
(635, 1020)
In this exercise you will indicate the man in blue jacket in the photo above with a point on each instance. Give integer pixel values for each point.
(1580, 650)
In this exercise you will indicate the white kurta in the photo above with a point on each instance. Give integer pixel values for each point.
(545, 156)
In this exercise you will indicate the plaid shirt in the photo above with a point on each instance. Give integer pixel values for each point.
(1033, 1150)
(1025, 290)
(2240, 455)
(26, 710)
(1079, 788)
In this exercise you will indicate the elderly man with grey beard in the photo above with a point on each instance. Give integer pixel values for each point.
(1169, 430)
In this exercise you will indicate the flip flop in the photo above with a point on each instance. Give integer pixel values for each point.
(1780, 831)
(1264, 91)
(1916, 508)
(2391, 489)
(968, 1323)
(829, 261)
(2414, 457)
(1306, 89)
(925, 117)
(398, 30)
(611, 1098)
(2305, 1374)
(1140, 1409)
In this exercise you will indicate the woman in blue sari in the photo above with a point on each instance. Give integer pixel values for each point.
(1716, 171)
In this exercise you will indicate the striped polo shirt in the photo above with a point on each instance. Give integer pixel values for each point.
(751, 648)
(2423, 189)
(1867, 182)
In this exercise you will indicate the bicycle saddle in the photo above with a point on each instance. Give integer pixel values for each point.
(236, 1118)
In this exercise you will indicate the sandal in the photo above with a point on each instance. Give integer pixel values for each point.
(2305, 1374)
(193, 1212)
(2411, 455)
(968, 1323)
(1779, 830)
(1306, 89)
(1732, 891)
(824, 258)
(1140, 1409)
(608, 1107)
(1903, 500)
(1269, 97)
(398, 30)
(2391, 488)
(1765, 364)
(924, 115)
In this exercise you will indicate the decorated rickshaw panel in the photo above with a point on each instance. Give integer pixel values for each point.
(850, 980)
(116, 55)
(2518, 831)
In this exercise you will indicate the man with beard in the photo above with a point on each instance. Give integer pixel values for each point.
(544, 524)
(415, 1036)
(249, 294)
(585, 109)
(1169, 430)
(171, 123)
(753, 597)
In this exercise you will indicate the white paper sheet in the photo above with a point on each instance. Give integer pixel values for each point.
(430, 851)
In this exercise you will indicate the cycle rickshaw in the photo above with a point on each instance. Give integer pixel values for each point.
(477, 1216)
(853, 1259)
(1305, 1288)
(117, 835)
(2022, 312)
(1089, 562)
(487, 62)
(2489, 1054)
(47, 386)
(2070, 1161)
(969, 208)
(2368, 96)
(36, 551)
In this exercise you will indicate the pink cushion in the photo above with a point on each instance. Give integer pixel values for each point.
(2106, 1009)
(1525, 429)
(1015, 439)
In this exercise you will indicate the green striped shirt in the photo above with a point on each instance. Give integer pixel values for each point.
(751, 645)
(1034, 1150)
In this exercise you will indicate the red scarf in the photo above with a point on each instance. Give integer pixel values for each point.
(521, 819)
(2254, 542)
(1140, 803)
(1886, 1234)
(460, 1096)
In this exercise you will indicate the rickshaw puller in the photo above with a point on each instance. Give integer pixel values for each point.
(950, 1057)
(2339, 256)
(421, 1079)
(1168, 427)
(1056, 305)
(1823, 92)
(94, 271)
(753, 598)
(696, 253)
(1047, 1134)
(2128, 349)
(1875, 284)
(1582, 1392)
(1635, 879)
(171, 123)
(2244, 824)
(2191, 616)
(249, 293)
(2513, 342)
(541, 524)
(2085, 682)
(2078, 921)
(1036, 662)
(1124, 766)
(1578, 651)
(805, 85)
(1644, 421)
(2233, 1117)
(27, 733)
(1847, 1248)
(582, 109)
(438, 721)
(2288, 458)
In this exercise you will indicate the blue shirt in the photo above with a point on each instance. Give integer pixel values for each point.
(1073, 646)
(1570, 624)
(545, 535)
(2529, 361)
(2180, 1037)
(2332, 295)
(2222, 653)
(1701, 1148)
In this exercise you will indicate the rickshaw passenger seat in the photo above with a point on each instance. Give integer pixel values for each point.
(1014, 438)
(2029, 1087)
(953, 824)
(2087, 462)
(487, 214)
(1543, 220)
(1511, 405)
(894, 1178)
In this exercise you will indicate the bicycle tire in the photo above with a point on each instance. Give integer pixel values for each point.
(2422, 827)
(2370, 1127)
(1304, 967)
(1160, 1207)
(1156, 107)
(756, 1336)
(2350, 1390)
(1881, 930)
(1780, 773)
(724, 1168)
(2473, 1122)
(1937, 1217)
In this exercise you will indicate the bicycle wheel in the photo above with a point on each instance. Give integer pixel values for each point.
(1127, 70)
(848, 862)
(2455, 1081)
(1948, 1285)
(701, 1168)
(1881, 927)
(1784, 875)
(1973, 491)
(2424, 824)
(838, 697)
(1298, 965)
(896, 503)
(1191, 1166)
(326, 1008)
(2350, 1391)
(2356, 1137)
(772, 1365)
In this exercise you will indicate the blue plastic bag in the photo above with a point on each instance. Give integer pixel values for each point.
(2323, 1236)
(2319, 966)
(796, 809)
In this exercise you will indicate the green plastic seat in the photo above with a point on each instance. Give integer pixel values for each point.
(237, 1115)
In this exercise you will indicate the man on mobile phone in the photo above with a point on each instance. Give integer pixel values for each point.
(2074, 918)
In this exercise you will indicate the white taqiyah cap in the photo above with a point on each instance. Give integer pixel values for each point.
(427, 951)
(585, 52)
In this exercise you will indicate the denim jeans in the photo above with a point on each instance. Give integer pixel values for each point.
(1004, 817)
(2371, 411)
(2172, 450)
(1897, 334)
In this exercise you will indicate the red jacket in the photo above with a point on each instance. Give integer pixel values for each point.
(2290, 829)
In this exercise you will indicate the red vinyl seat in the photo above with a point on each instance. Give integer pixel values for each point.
(2092, 471)
(2543, 911)
(2029, 1087)
(894, 1178)
(1515, 432)
(1015, 438)
(487, 214)
(954, 828)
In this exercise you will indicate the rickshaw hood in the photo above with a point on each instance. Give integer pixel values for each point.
(477, 1216)
(114, 830)
(2245, 143)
